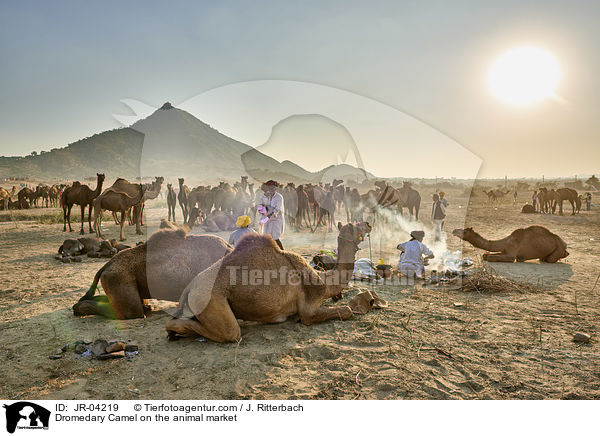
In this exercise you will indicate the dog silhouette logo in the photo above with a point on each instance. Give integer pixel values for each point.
(26, 415)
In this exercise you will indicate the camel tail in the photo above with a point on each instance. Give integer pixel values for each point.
(90, 293)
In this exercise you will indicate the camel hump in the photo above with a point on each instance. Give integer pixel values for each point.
(254, 241)
(166, 234)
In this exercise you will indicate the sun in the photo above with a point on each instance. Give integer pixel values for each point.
(524, 76)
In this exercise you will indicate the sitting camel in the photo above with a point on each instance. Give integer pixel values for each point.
(218, 221)
(281, 284)
(534, 242)
(92, 246)
(159, 269)
(194, 214)
(528, 208)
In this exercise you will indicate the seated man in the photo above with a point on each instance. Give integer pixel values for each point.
(414, 252)
(243, 221)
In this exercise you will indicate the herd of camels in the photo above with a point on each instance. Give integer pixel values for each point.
(547, 199)
(195, 270)
(306, 205)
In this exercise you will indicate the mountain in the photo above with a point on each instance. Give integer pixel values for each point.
(171, 143)
(114, 152)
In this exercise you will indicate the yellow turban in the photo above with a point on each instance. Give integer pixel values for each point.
(442, 193)
(243, 221)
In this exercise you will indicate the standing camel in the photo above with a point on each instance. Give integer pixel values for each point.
(183, 198)
(571, 196)
(121, 196)
(406, 196)
(4, 197)
(84, 197)
(151, 191)
(171, 201)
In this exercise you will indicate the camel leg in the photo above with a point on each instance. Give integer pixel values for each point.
(98, 305)
(82, 232)
(322, 314)
(123, 296)
(138, 219)
(123, 225)
(499, 257)
(90, 207)
(216, 322)
(64, 218)
(69, 217)
(555, 256)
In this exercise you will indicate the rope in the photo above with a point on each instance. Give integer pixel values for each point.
(372, 265)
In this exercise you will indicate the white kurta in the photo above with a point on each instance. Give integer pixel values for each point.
(411, 259)
(276, 224)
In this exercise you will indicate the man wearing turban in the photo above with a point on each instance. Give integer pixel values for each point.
(242, 222)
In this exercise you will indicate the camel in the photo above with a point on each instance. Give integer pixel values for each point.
(159, 269)
(285, 285)
(492, 197)
(19, 204)
(26, 194)
(195, 213)
(534, 242)
(406, 196)
(120, 197)
(171, 201)
(218, 221)
(84, 197)
(353, 202)
(323, 202)
(4, 197)
(548, 200)
(90, 245)
(151, 191)
(53, 195)
(411, 199)
(183, 198)
(571, 196)
(290, 200)
(303, 207)
(528, 208)
(201, 196)
(242, 201)
(224, 197)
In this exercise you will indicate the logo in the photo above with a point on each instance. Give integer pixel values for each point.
(26, 415)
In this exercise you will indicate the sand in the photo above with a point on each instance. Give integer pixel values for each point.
(504, 345)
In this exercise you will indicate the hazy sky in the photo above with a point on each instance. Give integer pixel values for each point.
(65, 67)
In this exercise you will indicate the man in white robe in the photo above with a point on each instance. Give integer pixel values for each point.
(274, 210)
(414, 252)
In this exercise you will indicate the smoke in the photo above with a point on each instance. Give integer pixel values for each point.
(391, 228)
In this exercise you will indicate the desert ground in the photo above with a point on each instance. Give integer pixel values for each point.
(496, 345)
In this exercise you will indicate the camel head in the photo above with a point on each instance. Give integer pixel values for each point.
(463, 233)
(354, 233)
(195, 213)
(100, 176)
(380, 184)
(169, 186)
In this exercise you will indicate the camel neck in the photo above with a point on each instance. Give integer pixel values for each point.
(485, 244)
(345, 262)
(98, 187)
